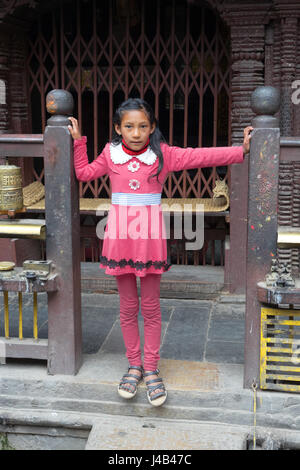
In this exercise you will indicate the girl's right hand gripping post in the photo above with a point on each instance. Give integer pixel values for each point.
(74, 128)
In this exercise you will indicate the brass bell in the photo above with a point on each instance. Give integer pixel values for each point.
(11, 194)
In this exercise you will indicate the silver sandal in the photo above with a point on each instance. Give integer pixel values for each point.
(159, 398)
(126, 392)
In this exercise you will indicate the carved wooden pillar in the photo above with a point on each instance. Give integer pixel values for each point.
(4, 69)
(269, 54)
(276, 75)
(288, 191)
(297, 88)
(14, 103)
(18, 99)
(247, 22)
(288, 72)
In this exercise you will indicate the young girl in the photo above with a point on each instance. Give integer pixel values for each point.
(138, 162)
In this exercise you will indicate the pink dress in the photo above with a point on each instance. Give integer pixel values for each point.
(135, 237)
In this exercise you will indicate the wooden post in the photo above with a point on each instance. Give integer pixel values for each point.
(63, 238)
(262, 216)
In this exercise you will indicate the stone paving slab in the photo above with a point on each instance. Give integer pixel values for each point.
(114, 342)
(153, 434)
(190, 375)
(225, 351)
(186, 335)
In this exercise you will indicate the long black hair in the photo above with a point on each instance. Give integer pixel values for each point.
(134, 104)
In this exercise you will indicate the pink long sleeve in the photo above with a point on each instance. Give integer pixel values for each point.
(84, 170)
(178, 158)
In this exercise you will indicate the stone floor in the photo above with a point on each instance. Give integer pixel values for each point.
(192, 330)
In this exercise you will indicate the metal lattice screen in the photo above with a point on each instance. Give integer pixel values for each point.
(174, 54)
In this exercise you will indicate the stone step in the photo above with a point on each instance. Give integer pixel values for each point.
(135, 433)
(184, 282)
(36, 429)
(196, 391)
(103, 398)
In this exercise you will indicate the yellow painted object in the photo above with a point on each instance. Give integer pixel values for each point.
(35, 320)
(23, 228)
(11, 196)
(6, 316)
(288, 237)
(20, 316)
(6, 265)
(20, 301)
(280, 350)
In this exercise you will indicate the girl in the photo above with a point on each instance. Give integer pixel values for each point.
(138, 161)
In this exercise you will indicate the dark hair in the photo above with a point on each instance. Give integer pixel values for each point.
(155, 138)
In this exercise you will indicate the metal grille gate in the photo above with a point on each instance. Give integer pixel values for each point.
(174, 54)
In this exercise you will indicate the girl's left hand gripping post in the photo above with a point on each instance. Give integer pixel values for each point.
(247, 137)
(74, 128)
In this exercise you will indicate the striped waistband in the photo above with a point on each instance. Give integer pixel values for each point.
(130, 199)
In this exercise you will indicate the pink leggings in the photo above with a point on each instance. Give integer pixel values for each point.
(150, 309)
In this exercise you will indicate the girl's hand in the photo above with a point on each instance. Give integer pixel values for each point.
(247, 137)
(74, 129)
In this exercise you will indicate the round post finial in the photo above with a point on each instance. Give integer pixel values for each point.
(265, 102)
(60, 105)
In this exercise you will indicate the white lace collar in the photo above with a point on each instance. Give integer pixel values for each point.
(118, 155)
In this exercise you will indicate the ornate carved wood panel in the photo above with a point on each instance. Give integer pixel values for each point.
(287, 31)
(173, 53)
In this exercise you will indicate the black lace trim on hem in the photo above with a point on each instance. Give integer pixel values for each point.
(138, 265)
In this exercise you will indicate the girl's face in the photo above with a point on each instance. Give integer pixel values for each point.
(135, 129)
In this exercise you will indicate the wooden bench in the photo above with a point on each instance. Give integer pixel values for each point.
(175, 205)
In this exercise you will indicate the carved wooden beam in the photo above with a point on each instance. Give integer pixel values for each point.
(287, 7)
(7, 7)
